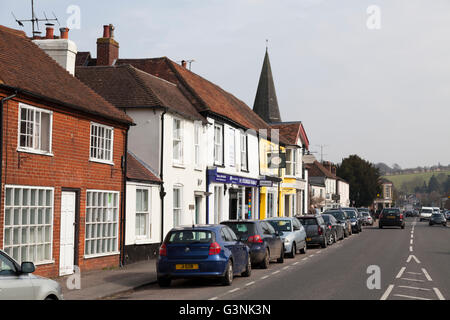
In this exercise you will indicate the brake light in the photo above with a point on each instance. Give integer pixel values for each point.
(255, 239)
(329, 227)
(401, 215)
(163, 250)
(214, 248)
(319, 229)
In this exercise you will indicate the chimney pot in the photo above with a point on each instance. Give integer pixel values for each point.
(106, 33)
(184, 63)
(64, 33)
(49, 33)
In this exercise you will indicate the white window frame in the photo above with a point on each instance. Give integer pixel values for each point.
(244, 152)
(35, 149)
(95, 209)
(274, 209)
(218, 145)
(46, 226)
(197, 130)
(177, 210)
(291, 160)
(177, 137)
(232, 147)
(147, 213)
(111, 151)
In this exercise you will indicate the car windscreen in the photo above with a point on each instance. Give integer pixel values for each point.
(281, 225)
(351, 214)
(242, 230)
(337, 214)
(190, 236)
(426, 211)
(308, 221)
(327, 218)
(366, 214)
(437, 215)
(391, 211)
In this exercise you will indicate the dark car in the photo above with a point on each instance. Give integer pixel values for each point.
(336, 228)
(391, 217)
(317, 232)
(355, 219)
(264, 242)
(342, 219)
(447, 214)
(211, 251)
(438, 218)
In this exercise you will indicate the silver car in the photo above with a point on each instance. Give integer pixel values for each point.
(293, 234)
(18, 283)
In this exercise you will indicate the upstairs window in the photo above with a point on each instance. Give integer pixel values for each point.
(35, 129)
(218, 144)
(177, 141)
(101, 143)
(291, 162)
(244, 159)
(197, 129)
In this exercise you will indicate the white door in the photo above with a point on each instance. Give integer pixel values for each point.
(67, 248)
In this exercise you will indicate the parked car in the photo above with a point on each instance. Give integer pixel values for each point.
(264, 242)
(317, 232)
(438, 218)
(367, 219)
(202, 251)
(447, 214)
(292, 233)
(355, 219)
(18, 283)
(391, 217)
(342, 219)
(425, 213)
(336, 227)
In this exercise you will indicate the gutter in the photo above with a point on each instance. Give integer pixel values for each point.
(1, 140)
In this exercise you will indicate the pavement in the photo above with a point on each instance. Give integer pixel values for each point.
(101, 284)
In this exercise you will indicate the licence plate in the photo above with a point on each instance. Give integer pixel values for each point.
(391, 217)
(186, 267)
(308, 239)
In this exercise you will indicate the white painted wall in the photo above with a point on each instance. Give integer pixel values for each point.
(344, 192)
(63, 51)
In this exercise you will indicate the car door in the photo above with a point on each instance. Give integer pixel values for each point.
(13, 285)
(234, 247)
(269, 239)
(299, 232)
(242, 248)
(278, 243)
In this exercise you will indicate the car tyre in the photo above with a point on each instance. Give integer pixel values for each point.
(164, 282)
(228, 276)
(303, 250)
(293, 251)
(248, 268)
(266, 260)
(335, 237)
(281, 258)
(380, 226)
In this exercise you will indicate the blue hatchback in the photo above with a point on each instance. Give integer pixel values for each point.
(202, 251)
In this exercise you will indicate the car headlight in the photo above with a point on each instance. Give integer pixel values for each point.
(353, 223)
(286, 240)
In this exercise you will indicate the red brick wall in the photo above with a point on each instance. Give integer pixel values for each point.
(69, 167)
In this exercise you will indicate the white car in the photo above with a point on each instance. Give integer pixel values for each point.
(18, 283)
(425, 213)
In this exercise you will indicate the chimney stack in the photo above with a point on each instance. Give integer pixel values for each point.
(107, 47)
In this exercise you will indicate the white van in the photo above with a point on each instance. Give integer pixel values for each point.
(425, 213)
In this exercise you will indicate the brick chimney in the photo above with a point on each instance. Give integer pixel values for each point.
(107, 47)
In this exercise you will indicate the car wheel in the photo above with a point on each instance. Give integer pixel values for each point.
(281, 258)
(380, 226)
(248, 268)
(164, 282)
(403, 226)
(266, 261)
(324, 244)
(303, 250)
(335, 237)
(293, 251)
(330, 239)
(228, 276)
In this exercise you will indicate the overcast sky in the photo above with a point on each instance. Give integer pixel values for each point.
(383, 94)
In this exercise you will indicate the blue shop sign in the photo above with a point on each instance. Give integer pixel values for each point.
(214, 176)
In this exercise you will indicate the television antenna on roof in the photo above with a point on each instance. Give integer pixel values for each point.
(35, 20)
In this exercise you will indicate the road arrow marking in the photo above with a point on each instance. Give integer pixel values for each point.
(412, 256)
(387, 292)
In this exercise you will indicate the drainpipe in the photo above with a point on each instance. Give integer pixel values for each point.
(162, 193)
(1, 140)
(124, 198)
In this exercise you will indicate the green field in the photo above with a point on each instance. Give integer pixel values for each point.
(407, 182)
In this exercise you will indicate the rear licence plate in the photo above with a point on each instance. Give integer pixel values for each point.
(308, 239)
(391, 217)
(186, 266)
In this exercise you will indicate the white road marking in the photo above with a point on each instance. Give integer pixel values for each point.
(295, 263)
(427, 275)
(411, 242)
(318, 252)
(285, 268)
(412, 280)
(400, 273)
(234, 290)
(410, 297)
(412, 256)
(387, 292)
(413, 272)
(410, 248)
(275, 272)
(265, 277)
(415, 288)
(250, 283)
(214, 298)
(439, 294)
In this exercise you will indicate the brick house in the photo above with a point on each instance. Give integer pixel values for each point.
(62, 172)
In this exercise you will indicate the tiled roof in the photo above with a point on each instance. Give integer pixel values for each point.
(126, 86)
(316, 169)
(24, 65)
(291, 132)
(138, 172)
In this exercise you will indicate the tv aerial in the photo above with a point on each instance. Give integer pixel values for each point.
(35, 20)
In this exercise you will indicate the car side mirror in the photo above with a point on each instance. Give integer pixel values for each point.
(278, 233)
(27, 267)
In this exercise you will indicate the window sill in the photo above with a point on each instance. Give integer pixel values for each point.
(101, 161)
(198, 169)
(101, 255)
(37, 152)
(42, 263)
(178, 165)
(246, 171)
(143, 241)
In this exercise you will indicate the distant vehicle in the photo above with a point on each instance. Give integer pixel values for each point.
(425, 213)
(342, 219)
(208, 251)
(447, 214)
(391, 217)
(18, 283)
(438, 218)
(367, 218)
(336, 227)
(292, 233)
(317, 232)
(264, 242)
(355, 219)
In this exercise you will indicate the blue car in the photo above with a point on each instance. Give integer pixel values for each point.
(202, 251)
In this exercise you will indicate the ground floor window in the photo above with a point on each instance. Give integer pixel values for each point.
(28, 227)
(271, 204)
(102, 216)
(177, 206)
(289, 205)
(218, 203)
(143, 225)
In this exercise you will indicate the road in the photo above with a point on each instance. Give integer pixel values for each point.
(413, 264)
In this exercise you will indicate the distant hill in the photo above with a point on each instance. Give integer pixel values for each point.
(407, 182)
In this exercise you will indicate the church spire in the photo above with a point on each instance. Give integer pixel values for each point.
(266, 104)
